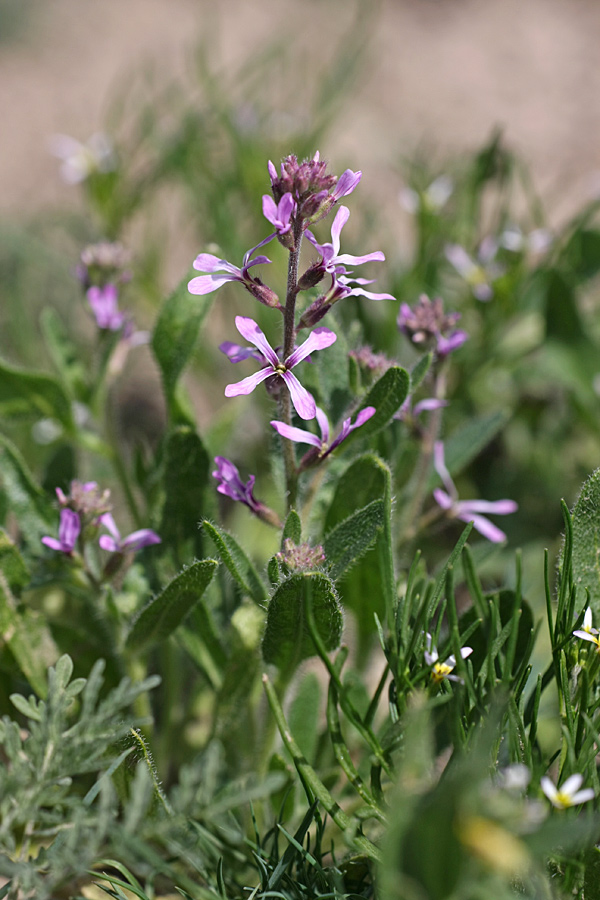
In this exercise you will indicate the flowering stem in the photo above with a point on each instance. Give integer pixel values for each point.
(289, 339)
(420, 478)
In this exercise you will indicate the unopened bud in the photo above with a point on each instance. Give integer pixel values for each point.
(311, 277)
(315, 312)
(263, 293)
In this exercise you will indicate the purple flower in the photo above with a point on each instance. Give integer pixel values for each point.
(342, 288)
(231, 485)
(279, 214)
(333, 261)
(104, 304)
(134, 541)
(322, 445)
(408, 412)
(468, 510)
(222, 271)
(68, 532)
(303, 402)
(426, 325)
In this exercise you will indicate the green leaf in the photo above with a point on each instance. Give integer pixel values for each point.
(33, 512)
(350, 539)
(12, 564)
(175, 335)
(420, 370)
(287, 640)
(562, 316)
(236, 561)
(292, 529)
(64, 353)
(387, 396)
(186, 472)
(304, 715)
(586, 543)
(24, 393)
(161, 616)
(28, 639)
(468, 441)
(363, 481)
(582, 254)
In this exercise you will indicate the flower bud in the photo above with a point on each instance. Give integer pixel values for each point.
(313, 275)
(263, 293)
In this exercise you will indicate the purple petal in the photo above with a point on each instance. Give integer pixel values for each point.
(428, 404)
(69, 528)
(206, 262)
(53, 544)
(442, 499)
(319, 339)
(440, 467)
(460, 259)
(342, 216)
(269, 208)
(346, 183)
(139, 539)
(107, 543)
(446, 345)
(299, 435)
(499, 507)
(272, 172)
(484, 527)
(323, 424)
(236, 353)
(249, 329)
(347, 258)
(109, 523)
(247, 385)
(483, 292)
(206, 284)
(104, 304)
(304, 403)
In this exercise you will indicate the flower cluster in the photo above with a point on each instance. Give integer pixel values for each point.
(428, 328)
(87, 506)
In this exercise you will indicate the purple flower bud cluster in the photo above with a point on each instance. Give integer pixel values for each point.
(429, 328)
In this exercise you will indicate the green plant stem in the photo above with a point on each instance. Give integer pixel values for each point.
(420, 480)
(310, 777)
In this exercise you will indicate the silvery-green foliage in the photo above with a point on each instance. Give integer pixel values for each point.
(57, 800)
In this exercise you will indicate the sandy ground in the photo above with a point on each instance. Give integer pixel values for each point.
(441, 71)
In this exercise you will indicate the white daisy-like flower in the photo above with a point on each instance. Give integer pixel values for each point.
(569, 794)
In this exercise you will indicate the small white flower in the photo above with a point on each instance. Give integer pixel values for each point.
(569, 794)
(432, 198)
(79, 161)
(443, 670)
(588, 632)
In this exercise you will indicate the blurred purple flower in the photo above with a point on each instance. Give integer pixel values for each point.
(426, 325)
(408, 412)
(322, 445)
(104, 304)
(303, 402)
(346, 183)
(469, 510)
(68, 532)
(137, 540)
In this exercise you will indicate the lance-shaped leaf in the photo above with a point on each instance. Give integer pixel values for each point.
(175, 335)
(586, 541)
(24, 393)
(161, 616)
(292, 529)
(287, 640)
(186, 473)
(363, 481)
(64, 353)
(387, 396)
(236, 561)
(351, 539)
(468, 441)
